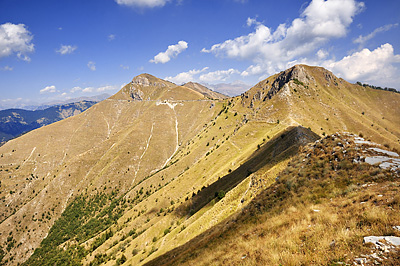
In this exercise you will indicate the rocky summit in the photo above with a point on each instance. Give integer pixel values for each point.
(297, 170)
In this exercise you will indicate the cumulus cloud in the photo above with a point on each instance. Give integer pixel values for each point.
(203, 75)
(363, 39)
(7, 68)
(88, 89)
(111, 37)
(92, 65)
(218, 76)
(186, 76)
(106, 88)
(252, 21)
(375, 66)
(94, 89)
(66, 49)
(142, 3)
(320, 22)
(75, 89)
(15, 39)
(322, 54)
(48, 89)
(171, 52)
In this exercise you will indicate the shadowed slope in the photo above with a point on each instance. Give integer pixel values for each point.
(281, 147)
(316, 213)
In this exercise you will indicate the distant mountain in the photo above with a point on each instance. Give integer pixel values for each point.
(14, 122)
(205, 91)
(96, 98)
(33, 106)
(231, 89)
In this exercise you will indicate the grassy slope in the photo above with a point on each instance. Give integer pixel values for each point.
(21, 121)
(107, 146)
(328, 104)
(101, 150)
(316, 214)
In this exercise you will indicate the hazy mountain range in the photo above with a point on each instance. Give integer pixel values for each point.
(14, 122)
(37, 106)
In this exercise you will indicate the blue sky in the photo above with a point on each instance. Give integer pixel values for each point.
(55, 50)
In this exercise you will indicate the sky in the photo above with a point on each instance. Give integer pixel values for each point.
(62, 49)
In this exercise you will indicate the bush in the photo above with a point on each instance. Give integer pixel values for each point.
(219, 195)
(135, 252)
(166, 231)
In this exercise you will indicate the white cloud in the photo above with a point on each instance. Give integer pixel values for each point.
(252, 70)
(375, 66)
(171, 52)
(93, 89)
(319, 22)
(218, 76)
(48, 89)
(322, 54)
(75, 89)
(92, 65)
(111, 37)
(363, 39)
(142, 3)
(252, 21)
(106, 88)
(186, 76)
(124, 67)
(201, 75)
(7, 68)
(15, 39)
(88, 89)
(66, 49)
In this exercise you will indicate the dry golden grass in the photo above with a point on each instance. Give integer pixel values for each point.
(105, 151)
(311, 220)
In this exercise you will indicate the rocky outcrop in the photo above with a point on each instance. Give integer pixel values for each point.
(140, 80)
(136, 94)
(297, 73)
(144, 81)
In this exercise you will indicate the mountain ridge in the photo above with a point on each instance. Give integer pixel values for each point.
(140, 156)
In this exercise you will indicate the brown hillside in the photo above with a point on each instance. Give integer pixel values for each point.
(115, 184)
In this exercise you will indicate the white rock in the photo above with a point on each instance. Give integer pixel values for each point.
(390, 153)
(394, 240)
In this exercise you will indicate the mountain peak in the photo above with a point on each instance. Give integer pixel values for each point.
(146, 87)
(298, 75)
(146, 80)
